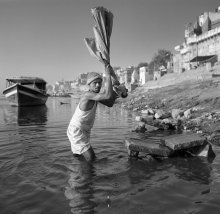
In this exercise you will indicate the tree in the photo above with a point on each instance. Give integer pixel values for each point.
(162, 57)
(142, 64)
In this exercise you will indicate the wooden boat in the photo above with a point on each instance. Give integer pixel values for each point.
(26, 91)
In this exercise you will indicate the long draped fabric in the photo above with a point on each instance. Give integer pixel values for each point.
(102, 32)
(100, 45)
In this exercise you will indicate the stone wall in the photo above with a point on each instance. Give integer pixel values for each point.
(177, 65)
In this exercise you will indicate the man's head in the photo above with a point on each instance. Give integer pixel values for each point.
(94, 80)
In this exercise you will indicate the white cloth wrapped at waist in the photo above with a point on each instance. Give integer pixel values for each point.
(79, 129)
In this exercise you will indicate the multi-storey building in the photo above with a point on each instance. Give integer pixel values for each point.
(82, 79)
(201, 46)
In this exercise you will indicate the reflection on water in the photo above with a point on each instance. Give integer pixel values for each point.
(183, 183)
(175, 185)
(25, 116)
(196, 169)
(79, 191)
(32, 116)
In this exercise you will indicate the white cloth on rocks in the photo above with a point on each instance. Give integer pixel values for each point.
(79, 129)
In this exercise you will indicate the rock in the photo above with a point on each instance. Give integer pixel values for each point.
(140, 127)
(197, 108)
(183, 141)
(164, 101)
(148, 158)
(132, 153)
(140, 145)
(191, 125)
(205, 151)
(210, 117)
(171, 123)
(123, 105)
(214, 138)
(148, 119)
(193, 146)
(157, 116)
(151, 128)
(151, 111)
(138, 118)
(148, 111)
(197, 121)
(141, 124)
(168, 126)
(177, 113)
(145, 111)
(155, 123)
(207, 114)
(160, 114)
(188, 113)
(178, 124)
(167, 120)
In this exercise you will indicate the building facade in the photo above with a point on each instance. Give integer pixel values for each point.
(145, 75)
(201, 44)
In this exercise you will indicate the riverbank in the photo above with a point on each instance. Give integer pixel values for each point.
(189, 101)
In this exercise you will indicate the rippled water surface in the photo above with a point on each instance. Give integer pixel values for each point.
(38, 173)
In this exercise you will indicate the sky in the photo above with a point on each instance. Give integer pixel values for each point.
(45, 38)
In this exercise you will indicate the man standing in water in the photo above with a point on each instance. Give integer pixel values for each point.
(82, 121)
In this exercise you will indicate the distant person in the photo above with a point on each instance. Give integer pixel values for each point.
(82, 121)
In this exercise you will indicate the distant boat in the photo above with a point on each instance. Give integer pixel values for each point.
(26, 91)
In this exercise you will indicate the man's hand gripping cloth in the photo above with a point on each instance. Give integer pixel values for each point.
(99, 46)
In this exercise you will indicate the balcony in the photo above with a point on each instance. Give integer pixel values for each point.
(204, 36)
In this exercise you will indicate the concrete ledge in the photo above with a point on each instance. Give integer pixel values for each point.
(185, 145)
(154, 149)
(183, 141)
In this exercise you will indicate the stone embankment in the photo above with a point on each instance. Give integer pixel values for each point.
(184, 102)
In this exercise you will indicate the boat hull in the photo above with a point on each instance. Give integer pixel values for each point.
(19, 95)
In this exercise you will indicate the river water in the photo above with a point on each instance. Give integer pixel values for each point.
(39, 174)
